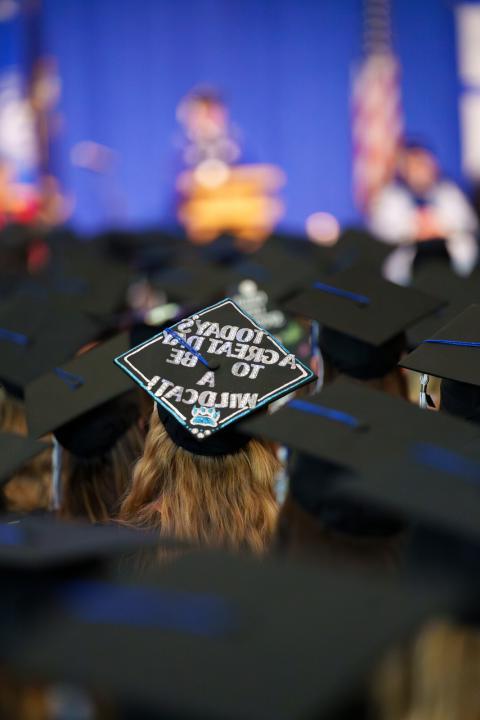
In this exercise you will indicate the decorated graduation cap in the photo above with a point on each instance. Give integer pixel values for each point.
(195, 641)
(361, 304)
(86, 405)
(211, 369)
(36, 336)
(15, 451)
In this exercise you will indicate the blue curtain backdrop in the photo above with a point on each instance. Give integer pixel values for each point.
(285, 67)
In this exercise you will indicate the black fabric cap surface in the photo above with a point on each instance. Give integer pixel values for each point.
(461, 399)
(96, 432)
(226, 442)
(359, 359)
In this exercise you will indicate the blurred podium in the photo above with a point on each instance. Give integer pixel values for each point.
(241, 200)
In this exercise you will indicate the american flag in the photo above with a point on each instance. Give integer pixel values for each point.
(377, 123)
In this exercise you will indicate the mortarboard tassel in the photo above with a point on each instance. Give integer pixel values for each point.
(57, 456)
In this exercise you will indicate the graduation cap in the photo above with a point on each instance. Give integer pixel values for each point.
(84, 403)
(82, 278)
(356, 247)
(363, 320)
(144, 250)
(210, 369)
(348, 423)
(195, 641)
(453, 351)
(37, 335)
(358, 303)
(267, 268)
(426, 480)
(45, 542)
(343, 433)
(16, 451)
(451, 354)
(192, 284)
(441, 281)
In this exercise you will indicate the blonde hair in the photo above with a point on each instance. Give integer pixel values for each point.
(29, 488)
(93, 488)
(436, 677)
(225, 500)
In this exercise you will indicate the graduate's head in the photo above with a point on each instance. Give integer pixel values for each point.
(199, 477)
(203, 113)
(100, 450)
(363, 320)
(23, 473)
(317, 521)
(28, 488)
(376, 365)
(218, 495)
(418, 166)
(94, 414)
(452, 355)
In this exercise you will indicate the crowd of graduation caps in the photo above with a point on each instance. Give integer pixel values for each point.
(141, 579)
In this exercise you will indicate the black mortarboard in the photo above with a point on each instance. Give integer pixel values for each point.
(355, 247)
(453, 352)
(192, 284)
(345, 431)
(316, 485)
(43, 542)
(426, 480)
(36, 336)
(439, 280)
(84, 403)
(212, 368)
(278, 271)
(359, 303)
(194, 641)
(143, 250)
(15, 451)
(84, 279)
(349, 423)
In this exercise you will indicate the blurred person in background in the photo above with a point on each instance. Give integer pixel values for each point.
(207, 131)
(425, 215)
(436, 676)
(99, 451)
(219, 190)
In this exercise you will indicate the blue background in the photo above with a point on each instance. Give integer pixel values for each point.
(285, 67)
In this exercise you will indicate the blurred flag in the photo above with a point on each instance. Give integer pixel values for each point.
(29, 92)
(468, 47)
(377, 123)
